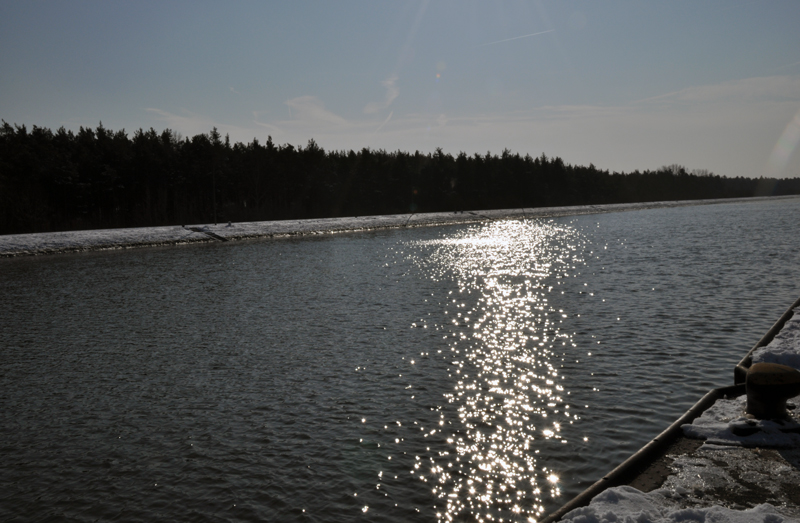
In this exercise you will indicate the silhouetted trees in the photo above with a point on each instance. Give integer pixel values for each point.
(51, 181)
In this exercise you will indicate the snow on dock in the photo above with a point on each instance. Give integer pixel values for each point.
(727, 468)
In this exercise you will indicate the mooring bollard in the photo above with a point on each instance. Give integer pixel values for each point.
(769, 385)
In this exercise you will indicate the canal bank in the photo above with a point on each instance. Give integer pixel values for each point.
(106, 239)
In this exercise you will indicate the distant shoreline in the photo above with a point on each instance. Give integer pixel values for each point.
(14, 245)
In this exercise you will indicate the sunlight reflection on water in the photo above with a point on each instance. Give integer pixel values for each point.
(508, 391)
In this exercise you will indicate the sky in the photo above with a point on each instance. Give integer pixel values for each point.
(624, 85)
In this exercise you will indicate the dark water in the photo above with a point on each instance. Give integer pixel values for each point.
(469, 372)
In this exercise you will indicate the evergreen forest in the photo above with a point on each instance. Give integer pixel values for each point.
(98, 178)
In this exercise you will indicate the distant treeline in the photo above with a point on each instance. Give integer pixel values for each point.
(55, 181)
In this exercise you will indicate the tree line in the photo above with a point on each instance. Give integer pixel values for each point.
(98, 178)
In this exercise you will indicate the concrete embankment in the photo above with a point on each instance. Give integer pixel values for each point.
(76, 241)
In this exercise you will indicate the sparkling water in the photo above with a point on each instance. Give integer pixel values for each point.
(470, 372)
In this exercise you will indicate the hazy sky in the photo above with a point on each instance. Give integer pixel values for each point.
(625, 85)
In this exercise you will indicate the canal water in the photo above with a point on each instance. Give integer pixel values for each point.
(482, 372)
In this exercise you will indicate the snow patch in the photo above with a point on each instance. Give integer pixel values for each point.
(724, 424)
(629, 505)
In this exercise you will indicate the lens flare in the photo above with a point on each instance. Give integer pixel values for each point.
(785, 147)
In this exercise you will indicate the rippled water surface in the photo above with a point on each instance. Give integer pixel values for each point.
(479, 372)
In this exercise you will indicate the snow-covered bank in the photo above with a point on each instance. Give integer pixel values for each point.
(73, 241)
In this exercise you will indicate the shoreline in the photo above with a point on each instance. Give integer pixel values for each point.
(35, 244)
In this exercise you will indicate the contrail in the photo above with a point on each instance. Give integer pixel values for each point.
(785, 67)
(384, 122)
(515, 38)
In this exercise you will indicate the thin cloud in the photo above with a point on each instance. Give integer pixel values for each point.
(781, 68)
(515, 38)
(189, 123)
(392, 92)
(766, 88)
(274, 129)
(311, 110)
